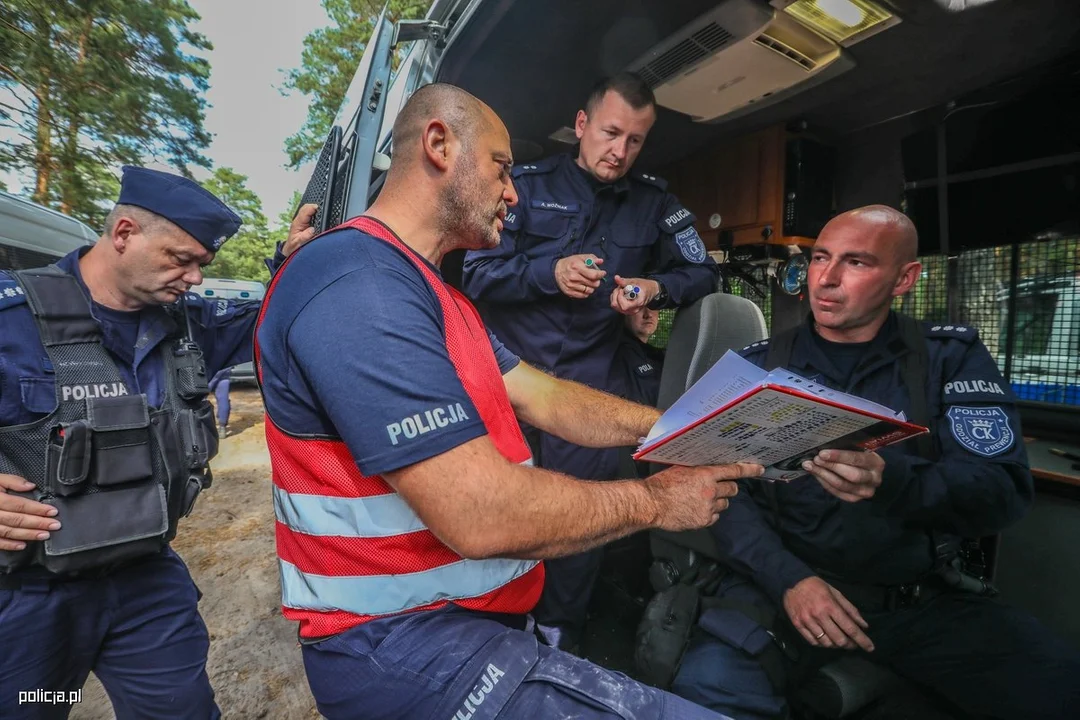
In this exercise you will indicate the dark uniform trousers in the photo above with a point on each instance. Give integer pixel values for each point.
(982, 657)
(55, 631)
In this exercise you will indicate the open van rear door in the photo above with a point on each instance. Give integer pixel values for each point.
(345, 179)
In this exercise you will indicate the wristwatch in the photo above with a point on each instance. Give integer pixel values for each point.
(661, 298)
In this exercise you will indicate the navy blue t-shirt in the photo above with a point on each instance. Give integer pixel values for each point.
(353, 346)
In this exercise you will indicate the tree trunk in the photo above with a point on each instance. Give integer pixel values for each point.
(71, 136)
(43, 159)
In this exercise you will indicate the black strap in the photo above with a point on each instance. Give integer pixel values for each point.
(780, 348)
(60, 307)
(914, 367)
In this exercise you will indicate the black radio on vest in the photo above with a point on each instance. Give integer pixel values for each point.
(120, 472)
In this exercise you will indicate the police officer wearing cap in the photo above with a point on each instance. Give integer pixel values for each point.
(105, 439)
(875, 554)
(586, 229)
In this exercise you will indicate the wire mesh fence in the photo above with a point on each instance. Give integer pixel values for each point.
(1024, 299)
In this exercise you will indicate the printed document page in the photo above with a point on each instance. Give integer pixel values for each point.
(728, 379)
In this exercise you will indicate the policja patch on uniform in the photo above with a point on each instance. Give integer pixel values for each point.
(982, 430)
(691, 245)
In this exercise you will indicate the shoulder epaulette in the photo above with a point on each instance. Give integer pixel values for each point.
(647, 179)
(755, 346)
(535, 168)
(966, 333)
(10, 292)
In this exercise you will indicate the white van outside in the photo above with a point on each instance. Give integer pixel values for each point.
(1046, 348)
(34, 236)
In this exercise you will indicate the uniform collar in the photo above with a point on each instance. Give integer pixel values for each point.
(886, 347)
(595, 186)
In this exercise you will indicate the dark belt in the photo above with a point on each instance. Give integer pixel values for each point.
(39, 578)
(883, 598)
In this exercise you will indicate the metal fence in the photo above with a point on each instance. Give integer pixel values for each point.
(1024, 299)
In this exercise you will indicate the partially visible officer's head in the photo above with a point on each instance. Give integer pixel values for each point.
(618, 115)
(162, 231)
(861, 261)
(452, 161)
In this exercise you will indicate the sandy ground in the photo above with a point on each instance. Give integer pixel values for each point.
(228, 542)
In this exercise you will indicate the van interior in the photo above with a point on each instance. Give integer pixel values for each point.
(774, 117)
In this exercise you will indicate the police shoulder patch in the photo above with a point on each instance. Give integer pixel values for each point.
(648, 179)
(10, 292)
(983, 430)
(946, 331)
(691, 245)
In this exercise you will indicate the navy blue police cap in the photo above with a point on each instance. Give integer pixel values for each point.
(182, 202)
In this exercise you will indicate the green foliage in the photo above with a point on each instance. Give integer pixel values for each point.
(86, 85)
(241, 257)
(329, 62)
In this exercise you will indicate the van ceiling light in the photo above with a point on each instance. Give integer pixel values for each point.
(839, 20)
(847, 12)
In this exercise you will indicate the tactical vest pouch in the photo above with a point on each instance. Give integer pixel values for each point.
(116, 525)
(198, 433)
(69, 458)
(101, 476)
(121, 439)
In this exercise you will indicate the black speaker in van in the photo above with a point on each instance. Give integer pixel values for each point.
(809, 172)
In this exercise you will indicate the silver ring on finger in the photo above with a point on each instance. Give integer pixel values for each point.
(819, 635)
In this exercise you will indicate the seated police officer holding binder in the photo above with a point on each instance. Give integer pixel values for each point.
(105, 439)
(865, 554)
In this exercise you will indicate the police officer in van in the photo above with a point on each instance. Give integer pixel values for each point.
(589, 241)
(105, 439)
(875, 553)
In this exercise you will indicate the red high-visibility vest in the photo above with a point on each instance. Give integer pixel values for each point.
(349, 548)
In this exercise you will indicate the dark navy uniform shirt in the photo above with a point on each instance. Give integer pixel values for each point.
(640, 365)
(979, 484)
(634, 224)
(222, 328)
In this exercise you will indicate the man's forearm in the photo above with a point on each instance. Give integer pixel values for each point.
(553, 515)
(590, 418)
(497, 509)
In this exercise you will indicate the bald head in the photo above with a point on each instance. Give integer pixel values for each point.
(450, 174)
(862, 260)
(464, 115)
(894, 227)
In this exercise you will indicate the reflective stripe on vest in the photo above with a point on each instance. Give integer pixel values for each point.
(349, 547)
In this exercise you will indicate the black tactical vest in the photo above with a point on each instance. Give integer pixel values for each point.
(120, 473)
